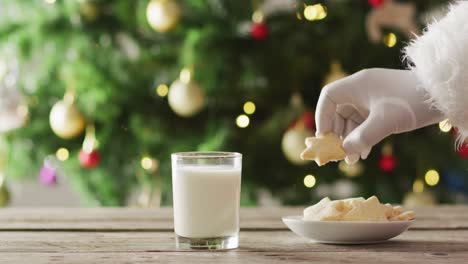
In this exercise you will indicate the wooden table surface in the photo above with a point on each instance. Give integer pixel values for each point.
(131, 235)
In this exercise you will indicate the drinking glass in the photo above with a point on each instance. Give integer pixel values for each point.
(206, 192)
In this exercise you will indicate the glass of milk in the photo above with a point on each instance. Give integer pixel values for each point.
(206, 192)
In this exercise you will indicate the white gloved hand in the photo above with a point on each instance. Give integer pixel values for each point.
(370, 105)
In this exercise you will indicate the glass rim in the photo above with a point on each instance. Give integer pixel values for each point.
(206, 154)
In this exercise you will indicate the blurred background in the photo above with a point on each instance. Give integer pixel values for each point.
(96, 94)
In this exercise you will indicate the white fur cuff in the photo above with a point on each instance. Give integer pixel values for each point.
(439, 58)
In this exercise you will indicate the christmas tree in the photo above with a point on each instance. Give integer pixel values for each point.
(105, 91)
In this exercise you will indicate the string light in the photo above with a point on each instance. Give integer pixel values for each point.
(418, 186)
(257, 16)
(162, 90)
(445, 126)
(62, 154)
(149, 164)
(249, 108)
(315, 12)
(390, 40)
(432, 177)
(242, 121)
(309, 181)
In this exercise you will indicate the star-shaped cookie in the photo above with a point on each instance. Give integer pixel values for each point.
(323, 149)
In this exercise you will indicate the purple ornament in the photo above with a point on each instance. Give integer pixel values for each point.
(48, 175)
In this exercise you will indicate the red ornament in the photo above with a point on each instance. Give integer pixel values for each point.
(259, 31)
(306, 119)
(375, 3)
(89, 160)
(387, 163)
(463, 151)
(309, 120)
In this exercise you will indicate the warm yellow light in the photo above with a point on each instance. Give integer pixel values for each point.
(322, 14)
(62, 154)
(309, 181)
(242, 121)
(390, 40)
(149, 164)
(257, 16)
(445, 126)
(249, 108)
(162, 90)
(432, 177)
(315, 12)
(50, 1)
(418, 186)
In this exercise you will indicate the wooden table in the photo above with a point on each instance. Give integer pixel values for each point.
(130, 235)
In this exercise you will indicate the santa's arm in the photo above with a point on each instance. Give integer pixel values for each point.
(439, 58)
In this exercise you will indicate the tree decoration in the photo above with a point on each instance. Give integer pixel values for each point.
(89, 157)
(387, 161)
(186, 98)
(391, 14)
(375, 3)
(463, 151)
(48, 172)
(163, 15)
(293, 140)
(315, 12)
(336, 73)
(445, 126)
(65, 119)
(258, 29)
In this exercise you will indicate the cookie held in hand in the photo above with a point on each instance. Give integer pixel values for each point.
(323, 149)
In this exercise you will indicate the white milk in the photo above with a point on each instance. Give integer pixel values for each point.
(206, 200)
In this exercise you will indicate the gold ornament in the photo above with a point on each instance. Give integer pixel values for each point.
(65, 119)
(293, 143)
(336, 73)
(185, 97)
(351, 171)
(162, 15)
(4, 192)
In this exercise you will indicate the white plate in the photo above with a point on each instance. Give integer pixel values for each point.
(346, 232)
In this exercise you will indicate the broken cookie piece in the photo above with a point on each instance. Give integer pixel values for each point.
(356, 209)
(323, 149)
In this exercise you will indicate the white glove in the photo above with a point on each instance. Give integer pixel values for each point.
(370, 105)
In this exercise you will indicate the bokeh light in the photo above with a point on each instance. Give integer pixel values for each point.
(432, 177)
(249, 108)
(162, 90)
(390, 40)
(315, 12)
(242, 121)
(445, 126)
(62, 154)
(309, 181)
